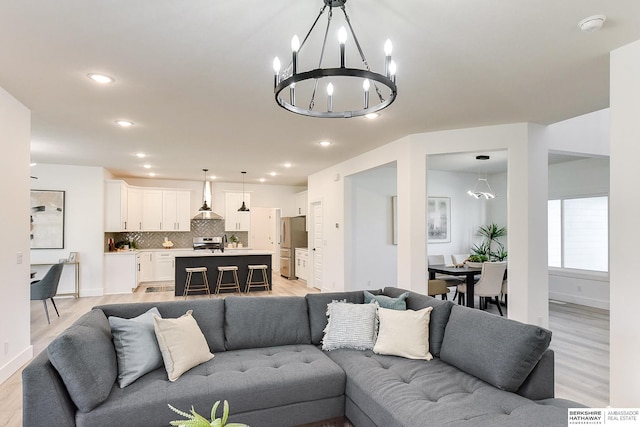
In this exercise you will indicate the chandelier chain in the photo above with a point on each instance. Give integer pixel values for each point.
(364, 59)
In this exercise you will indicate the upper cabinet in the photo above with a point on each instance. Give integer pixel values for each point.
(234, 220)
(145, 209)
(176, 215)
(301, 203)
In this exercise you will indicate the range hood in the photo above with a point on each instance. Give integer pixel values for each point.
(205, 211)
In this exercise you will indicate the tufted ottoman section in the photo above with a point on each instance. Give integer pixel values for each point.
(258, 383)
(392, 391)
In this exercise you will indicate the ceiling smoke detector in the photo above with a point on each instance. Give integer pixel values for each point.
(592, 23)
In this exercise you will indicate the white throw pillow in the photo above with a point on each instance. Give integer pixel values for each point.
(182, 344)
(350, 326)
(404, 333)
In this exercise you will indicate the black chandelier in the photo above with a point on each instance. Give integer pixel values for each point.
(349, 102)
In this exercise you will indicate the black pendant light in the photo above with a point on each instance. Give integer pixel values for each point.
(206, 190)
(244, 207)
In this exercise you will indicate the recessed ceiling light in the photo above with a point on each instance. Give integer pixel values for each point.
(147, 166)
(124, 123)
(152, 174)
(325, 143)
(212, 177)
(372, 116)
(262, 180)
(287, 165)
(141, 155)
(592, 23)
(272, 173)
(101, 78)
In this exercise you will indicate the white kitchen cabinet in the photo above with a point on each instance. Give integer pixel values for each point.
(120, 272)
(134, 210)
(116, 205)
(147, 267)
(234, 220)
(301, 269)
(164, 263)
(301, 203)
(176, 210)
(152, 204)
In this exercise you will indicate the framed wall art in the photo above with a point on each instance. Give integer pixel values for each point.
(47, 219)
(438, 220)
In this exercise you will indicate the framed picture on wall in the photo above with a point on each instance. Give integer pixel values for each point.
(47, 219)
(438, 220)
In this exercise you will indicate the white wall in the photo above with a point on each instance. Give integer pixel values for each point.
(526, 199)
(587, 134)
(467, 213)
(371, 254)
(84, 222)
(579, 178)
(262, 195)
(624, 234)
(15, 343)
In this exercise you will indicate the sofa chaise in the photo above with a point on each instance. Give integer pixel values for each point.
(270, 366)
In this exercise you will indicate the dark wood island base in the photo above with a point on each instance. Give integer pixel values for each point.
(212, 262)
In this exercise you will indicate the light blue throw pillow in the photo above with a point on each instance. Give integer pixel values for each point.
(136, 346)
(384, 301)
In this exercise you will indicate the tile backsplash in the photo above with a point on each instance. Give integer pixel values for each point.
(183, 239)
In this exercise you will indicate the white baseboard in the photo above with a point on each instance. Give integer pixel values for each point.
(16, 363)
(94, 292)
(574, 299)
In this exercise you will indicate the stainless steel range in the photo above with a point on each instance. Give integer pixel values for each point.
(209, 243)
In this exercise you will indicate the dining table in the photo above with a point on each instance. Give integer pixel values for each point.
(451, 270)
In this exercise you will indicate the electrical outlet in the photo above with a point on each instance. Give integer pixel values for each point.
(579, 288)
(6, 347)
(19, 258)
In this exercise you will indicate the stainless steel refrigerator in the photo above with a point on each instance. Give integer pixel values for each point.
(292, 235)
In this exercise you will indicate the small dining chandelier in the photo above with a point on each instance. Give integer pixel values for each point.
(347, 89)
(244, 207)
(482, 187)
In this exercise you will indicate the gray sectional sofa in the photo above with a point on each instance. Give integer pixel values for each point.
(486, 370)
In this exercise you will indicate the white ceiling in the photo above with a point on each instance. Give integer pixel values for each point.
(195, 76)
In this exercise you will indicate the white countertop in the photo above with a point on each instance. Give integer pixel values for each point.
(190, 252)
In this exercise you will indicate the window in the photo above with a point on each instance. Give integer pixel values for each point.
(579, 233)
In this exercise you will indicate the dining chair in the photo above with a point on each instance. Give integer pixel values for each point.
(437, 287)
(505, 291)
(489, 286)
(451, 281)
(47, 288)
(459, 259)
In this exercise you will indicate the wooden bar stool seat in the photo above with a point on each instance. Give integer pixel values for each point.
(235, 285)
(189, 287)
(264, 284)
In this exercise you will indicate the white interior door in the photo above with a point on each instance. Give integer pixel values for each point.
(317, 241)
(265, 234)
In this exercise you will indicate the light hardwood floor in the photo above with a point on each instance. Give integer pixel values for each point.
(580, 340)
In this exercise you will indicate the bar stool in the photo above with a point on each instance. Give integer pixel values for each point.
(263, 284)
(235, 285)
(188, 287)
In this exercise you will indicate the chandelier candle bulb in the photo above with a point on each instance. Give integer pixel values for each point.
(365, 86)
(276, 70)
(330, 97)
(392, 71)
(295, 46)
(342, 39)
(388, 48)
(292, 94)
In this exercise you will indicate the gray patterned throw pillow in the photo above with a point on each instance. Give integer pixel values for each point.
(350, 326)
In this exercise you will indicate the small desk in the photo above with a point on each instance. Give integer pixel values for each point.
(76, 265)
(469, 272)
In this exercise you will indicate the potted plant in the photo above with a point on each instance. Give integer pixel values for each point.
(491, 249)
(194, 419)
(234, 240)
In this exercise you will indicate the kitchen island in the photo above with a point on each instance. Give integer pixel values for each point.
(239, 257)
